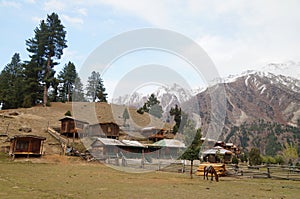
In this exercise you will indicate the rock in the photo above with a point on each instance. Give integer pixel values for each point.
(14, 113)
(25, 129)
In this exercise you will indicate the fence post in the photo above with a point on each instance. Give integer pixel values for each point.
(268, 169)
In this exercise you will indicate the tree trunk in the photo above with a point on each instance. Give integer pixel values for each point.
(191, 171)
(45, 97)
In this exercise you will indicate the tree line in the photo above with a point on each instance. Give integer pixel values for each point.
(34, 81)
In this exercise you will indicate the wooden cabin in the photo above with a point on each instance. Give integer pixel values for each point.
(217, 154)
(103, 148)
(26, 145)
(154, 134)
(132, 149)
(108, 130)
(169, 148)
(73, 127)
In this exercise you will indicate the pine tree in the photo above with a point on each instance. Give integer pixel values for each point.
(78, 93)
(152, 107)
(11, 84)
(67, 77)
(193, 141)
(47, 45)
(125, 115)
(176, 112)
(95, 88)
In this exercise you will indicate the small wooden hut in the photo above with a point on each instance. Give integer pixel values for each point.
(169, 148)
(26, 145)
(108, 130)
(71, 127)
(217, 153)
(103, 148)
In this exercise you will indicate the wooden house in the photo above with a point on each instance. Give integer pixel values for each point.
(132, 149)
(26, 145)
(72, 127)
(217, 154)
(108, 130)
(154, 134)
(169, 148)
(103, 148)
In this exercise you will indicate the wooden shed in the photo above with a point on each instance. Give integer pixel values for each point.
(169, 148)
(108, 130)
(103, 148)
(213, 155)
(72, 127)
(26, 145)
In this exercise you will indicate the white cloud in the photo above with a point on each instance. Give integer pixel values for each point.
(36, 20)
(54, 5)
(11, 4)
(30, 1)
(82, 11)
(72, 20)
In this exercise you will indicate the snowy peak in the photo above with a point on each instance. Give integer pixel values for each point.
(289, 68)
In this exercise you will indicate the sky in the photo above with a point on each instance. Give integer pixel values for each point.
(237, 35)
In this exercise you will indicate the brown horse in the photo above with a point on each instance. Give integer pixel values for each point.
(210, 169)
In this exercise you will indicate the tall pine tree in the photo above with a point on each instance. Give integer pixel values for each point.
(45, 47)
(11, 84)
(152, 106)
(95, 88)
(78, 94)
(67, 77)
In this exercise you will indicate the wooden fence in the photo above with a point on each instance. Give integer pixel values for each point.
(265, 171)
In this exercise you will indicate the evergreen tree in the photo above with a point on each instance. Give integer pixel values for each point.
(193, 140)
(176, 112)
(11, 84)
(95, 88)
(47, 45)
(152, 107)
(67, 77)
(125, 115)
(78, 93)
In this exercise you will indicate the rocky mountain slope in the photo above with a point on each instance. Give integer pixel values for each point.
(255, 98)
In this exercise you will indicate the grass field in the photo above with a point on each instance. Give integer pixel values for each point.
(71, 178)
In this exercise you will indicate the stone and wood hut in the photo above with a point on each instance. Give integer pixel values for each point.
(26, 145)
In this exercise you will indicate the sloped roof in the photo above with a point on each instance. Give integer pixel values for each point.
(28, 136)
(132, 143)
(107, 142)
(170, 143)
(215, 149)
(72, 118)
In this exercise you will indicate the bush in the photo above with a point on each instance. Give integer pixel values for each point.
(254, 157)
(68, 113)
(235, 160)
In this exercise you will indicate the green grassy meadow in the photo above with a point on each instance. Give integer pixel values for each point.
(78, 179)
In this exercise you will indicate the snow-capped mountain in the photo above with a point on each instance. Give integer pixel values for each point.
(289, 68)
(168, 96)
